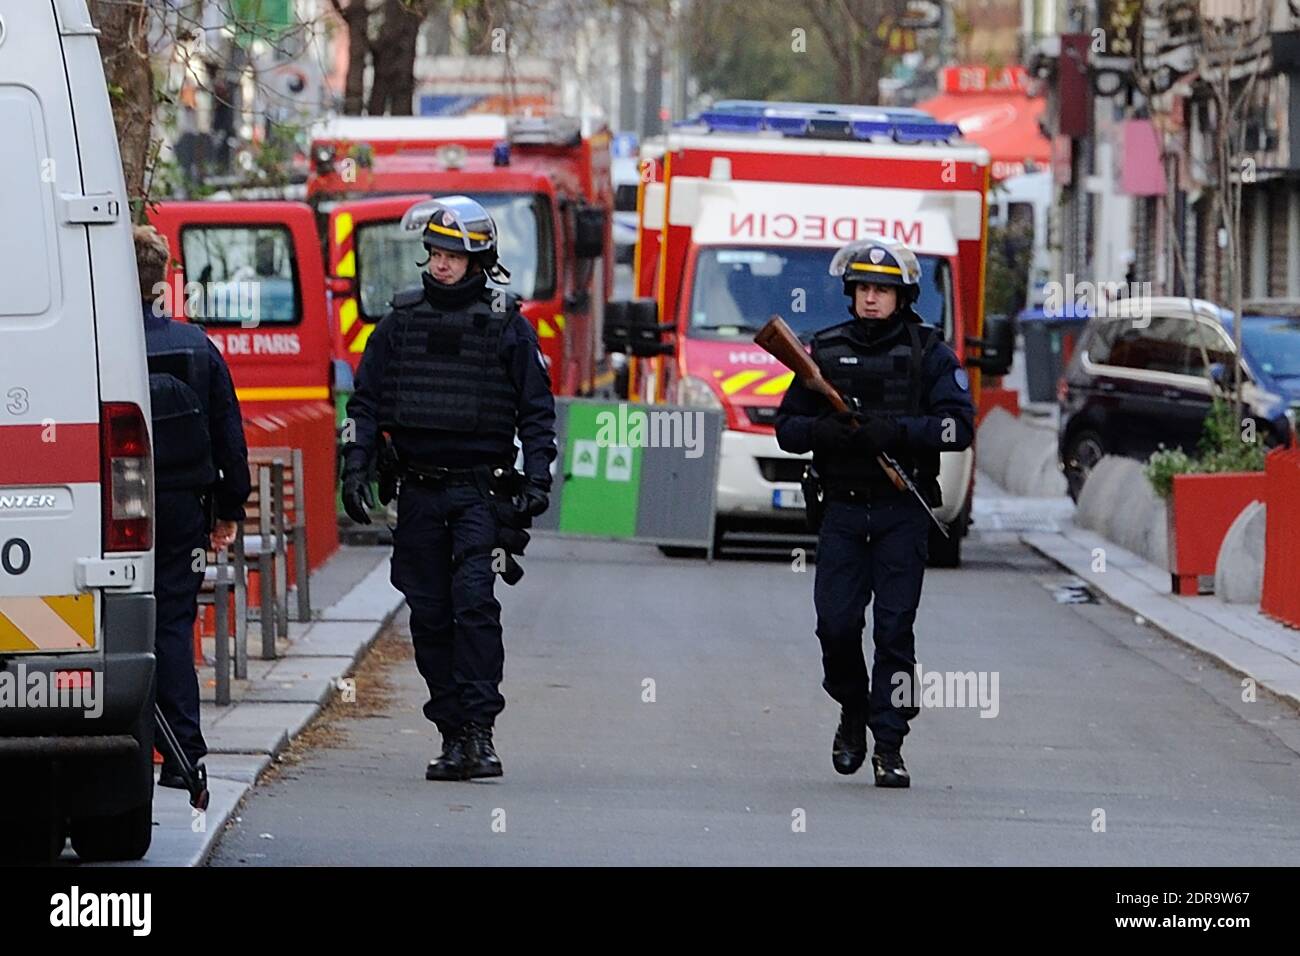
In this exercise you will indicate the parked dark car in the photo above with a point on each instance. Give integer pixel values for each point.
(1134, 385)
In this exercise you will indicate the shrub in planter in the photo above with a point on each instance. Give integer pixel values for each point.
(1222, 479)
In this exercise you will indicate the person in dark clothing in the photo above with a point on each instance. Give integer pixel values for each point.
(200, 485)
(452, 374)
(912, 401)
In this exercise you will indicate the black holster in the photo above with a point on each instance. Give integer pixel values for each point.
(500, 486)
(814, 499)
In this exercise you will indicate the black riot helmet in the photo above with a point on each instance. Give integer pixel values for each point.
(458, 224)
(881, 262)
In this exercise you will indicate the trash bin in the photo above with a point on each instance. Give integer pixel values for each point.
(1050, 338)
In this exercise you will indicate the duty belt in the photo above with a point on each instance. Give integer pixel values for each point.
(857, 492)
(439, 477)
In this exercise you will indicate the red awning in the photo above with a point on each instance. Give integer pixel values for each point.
(1006, 124)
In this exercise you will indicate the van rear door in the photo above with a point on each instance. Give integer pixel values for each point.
(50, 507)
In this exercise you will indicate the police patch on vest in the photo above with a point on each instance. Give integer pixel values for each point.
(962, 379)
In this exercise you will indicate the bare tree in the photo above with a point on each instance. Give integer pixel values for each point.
(355, 15)
(852, 31)
(1228, 60)
(124, 48)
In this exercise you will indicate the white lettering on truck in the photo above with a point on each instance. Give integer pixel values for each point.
(810, 228)
(249, 343)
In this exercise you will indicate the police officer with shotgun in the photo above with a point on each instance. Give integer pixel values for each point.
(451, 374)
(883, 396)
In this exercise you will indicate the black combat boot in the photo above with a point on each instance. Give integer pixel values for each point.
(481, 758)
(890, 772)
(850, 746)
(450, 764)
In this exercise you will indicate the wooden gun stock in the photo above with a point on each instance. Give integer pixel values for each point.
(778, 340)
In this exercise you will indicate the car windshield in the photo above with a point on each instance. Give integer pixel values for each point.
(737, 290)
(1273, 345)
(387, 256)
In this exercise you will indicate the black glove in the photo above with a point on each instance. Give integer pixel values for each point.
(832, 433)
(876, 433)
(357, 497)
(532, 500)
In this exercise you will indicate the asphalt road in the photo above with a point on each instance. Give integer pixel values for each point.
(730, 763)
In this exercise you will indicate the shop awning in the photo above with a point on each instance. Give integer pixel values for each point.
(1006, 124)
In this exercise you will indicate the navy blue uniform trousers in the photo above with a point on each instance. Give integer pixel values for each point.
(182, 526)
(455, 617)
(871, 550)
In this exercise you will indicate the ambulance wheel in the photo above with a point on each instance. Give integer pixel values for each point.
(122, 836)
(945, 552)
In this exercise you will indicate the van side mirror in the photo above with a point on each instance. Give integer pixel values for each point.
(996, 348)
(632, 327)
(589, 232)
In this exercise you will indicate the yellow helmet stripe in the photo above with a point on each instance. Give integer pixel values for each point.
(479, 236)
(866, 267)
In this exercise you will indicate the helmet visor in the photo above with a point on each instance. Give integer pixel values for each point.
(463, 221)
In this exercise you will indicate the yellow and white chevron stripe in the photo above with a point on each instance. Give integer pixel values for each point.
(60, 623)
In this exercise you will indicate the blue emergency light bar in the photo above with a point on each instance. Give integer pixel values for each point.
(824, 121)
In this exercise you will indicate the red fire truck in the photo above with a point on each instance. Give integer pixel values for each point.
(545, 180)
(257, 273)
(740, 213)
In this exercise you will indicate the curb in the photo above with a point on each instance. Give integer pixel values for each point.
(326, 650)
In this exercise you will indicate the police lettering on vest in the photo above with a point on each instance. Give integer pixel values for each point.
(178, 393)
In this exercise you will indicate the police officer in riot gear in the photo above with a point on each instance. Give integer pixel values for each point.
(911, 400)
(451, 374)
(200, 485)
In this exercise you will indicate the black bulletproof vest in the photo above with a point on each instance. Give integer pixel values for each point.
(885, 376)
(178, 394)
(444, 371)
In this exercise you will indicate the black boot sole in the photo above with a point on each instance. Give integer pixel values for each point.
(434, 773)
(893, 783)
(478, 773)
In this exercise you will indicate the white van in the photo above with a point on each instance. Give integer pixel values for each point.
(76, 501)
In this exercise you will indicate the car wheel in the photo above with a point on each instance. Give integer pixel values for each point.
(1081, 456)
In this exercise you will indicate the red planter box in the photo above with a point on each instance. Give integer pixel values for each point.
(1201, 510)
(1280, 599)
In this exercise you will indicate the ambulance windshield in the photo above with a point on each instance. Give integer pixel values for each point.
(736, 290)
(387, 256)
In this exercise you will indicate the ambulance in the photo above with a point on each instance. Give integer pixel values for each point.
(741, 210)
(76, 473)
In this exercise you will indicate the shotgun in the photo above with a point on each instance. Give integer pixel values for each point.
(779, 341)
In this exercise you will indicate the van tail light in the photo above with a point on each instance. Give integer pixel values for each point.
(126, 477)
(1062, 390)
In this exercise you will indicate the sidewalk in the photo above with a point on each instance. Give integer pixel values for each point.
(1236, 635)
(277, 701)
